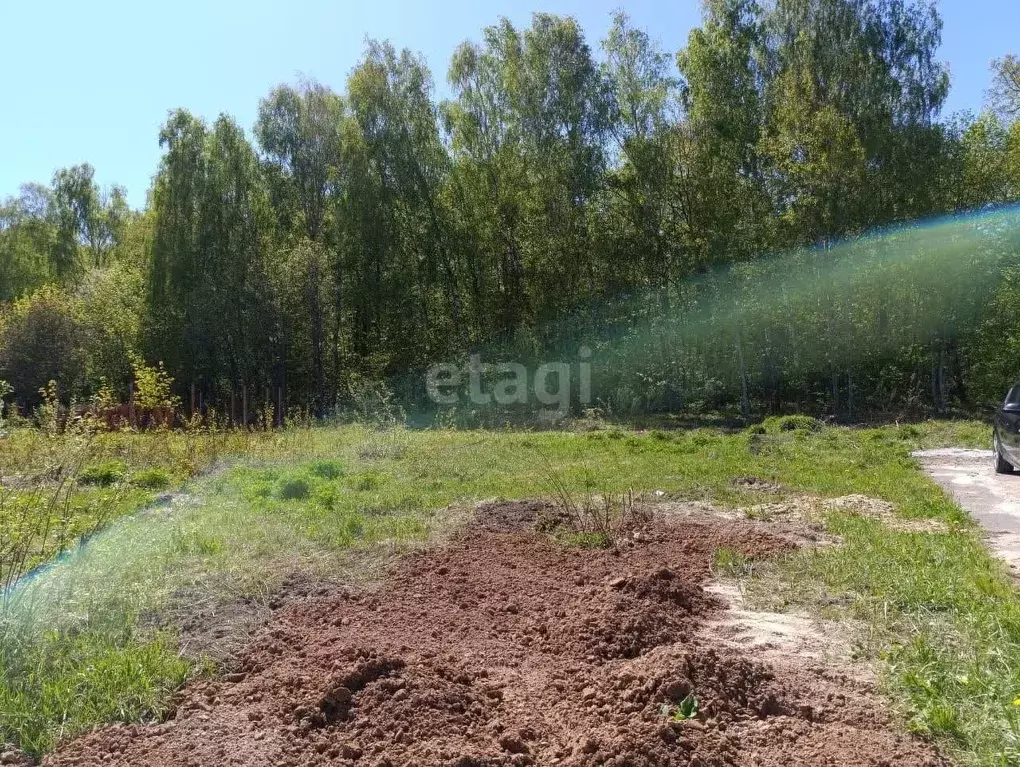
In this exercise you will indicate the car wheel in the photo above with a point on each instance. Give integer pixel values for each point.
(1002, 466)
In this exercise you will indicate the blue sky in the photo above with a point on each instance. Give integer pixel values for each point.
(92, 81)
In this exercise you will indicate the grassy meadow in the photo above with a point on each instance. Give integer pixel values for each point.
(218, 523)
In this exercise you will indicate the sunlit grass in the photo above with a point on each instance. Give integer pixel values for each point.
(938, 610)
(336, 502)
(56, 490)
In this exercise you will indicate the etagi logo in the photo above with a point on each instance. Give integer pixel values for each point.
(511, 383)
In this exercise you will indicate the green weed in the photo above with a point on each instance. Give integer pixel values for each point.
(103, 474)
(327, 469)
(366, 480)
(730, 563)
(294, 489)
(683, 711)
(585, 540)
(153, 478)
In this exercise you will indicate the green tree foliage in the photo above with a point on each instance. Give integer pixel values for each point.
(615, 194)
(89, 222)
(40, 341)
(1004, 94)
(109, 305)
(727, 209)
(528, 129)
(645, 238)
(405, 279)
(27, 238)
(209, 311)
(299, 131)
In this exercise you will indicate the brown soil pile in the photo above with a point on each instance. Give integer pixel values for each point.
(504, 648)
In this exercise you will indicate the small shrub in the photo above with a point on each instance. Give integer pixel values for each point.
(153, 478)
(5, 391)
(50, 414)
(153, 385)
(327, 469)
(103, 474)
(294, 489)
(702, 437)
(596, 520)
(370, 401)
(327, 496)
(907, 432)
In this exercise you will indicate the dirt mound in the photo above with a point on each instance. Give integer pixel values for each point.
(515, 516)
(811, 510)
(505, 648)
(885, 512)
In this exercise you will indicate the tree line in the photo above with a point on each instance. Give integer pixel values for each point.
(565, 192)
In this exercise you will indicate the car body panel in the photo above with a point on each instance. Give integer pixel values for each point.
(1006, 426)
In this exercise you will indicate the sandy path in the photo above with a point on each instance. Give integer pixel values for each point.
(993, 500)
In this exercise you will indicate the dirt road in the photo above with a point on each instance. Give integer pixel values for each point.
(992, 499)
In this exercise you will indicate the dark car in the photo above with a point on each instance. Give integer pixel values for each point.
(1006, 433)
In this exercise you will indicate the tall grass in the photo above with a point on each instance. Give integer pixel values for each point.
(75, 585)
(57, 490)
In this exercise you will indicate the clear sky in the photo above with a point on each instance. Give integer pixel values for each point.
(93, 81)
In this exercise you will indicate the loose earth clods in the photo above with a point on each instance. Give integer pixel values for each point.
(503, 647)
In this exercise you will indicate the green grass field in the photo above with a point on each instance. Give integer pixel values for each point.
(92, 637)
